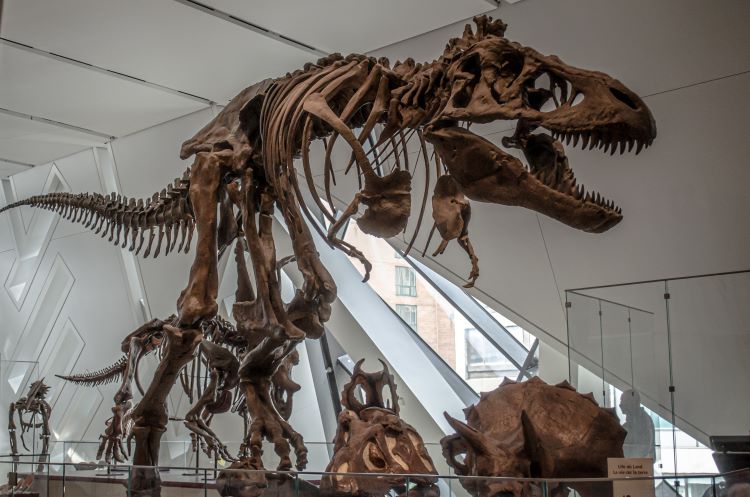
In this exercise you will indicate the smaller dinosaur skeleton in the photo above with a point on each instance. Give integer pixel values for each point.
(32, 405)
(372, 438)
(211, 376)
(135, 346)
(216, 398)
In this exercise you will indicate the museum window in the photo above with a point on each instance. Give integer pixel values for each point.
(483, 359)
(408, 313)
(406, 282)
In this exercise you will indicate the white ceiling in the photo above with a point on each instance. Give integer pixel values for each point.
(352, 25)
(45, 87)
(112, 68)
(160, 41)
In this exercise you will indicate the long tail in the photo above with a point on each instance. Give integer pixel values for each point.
(168, 212)
(104, 376)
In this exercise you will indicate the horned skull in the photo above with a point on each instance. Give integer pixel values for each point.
(372, 438)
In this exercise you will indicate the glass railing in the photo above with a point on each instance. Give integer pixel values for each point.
(673, 351)
(179, 453)
(29, 478)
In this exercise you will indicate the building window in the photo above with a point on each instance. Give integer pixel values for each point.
(408, 313)
(483, 360)
(406, 281)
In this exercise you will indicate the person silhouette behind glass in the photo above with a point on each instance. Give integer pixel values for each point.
(639, 441)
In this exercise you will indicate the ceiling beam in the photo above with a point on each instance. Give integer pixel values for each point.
(15, 162)
(71, 127)
(108, 72)
(252, 27)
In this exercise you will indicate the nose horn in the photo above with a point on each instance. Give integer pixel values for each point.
(475, 439)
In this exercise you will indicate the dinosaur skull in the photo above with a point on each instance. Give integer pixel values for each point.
(490, 78)
(482, 457)
(372, 438)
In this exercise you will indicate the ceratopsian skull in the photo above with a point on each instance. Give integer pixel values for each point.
(482, 457)
(372, 438)
(372, 389)
(491, 78)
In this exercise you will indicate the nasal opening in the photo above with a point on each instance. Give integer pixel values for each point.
(622, 97)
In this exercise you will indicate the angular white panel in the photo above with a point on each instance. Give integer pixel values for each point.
(72, 423)
(42, 86)
(31, 239)
(56, 288)
(161, 41)
(352, 26)
(60, 357)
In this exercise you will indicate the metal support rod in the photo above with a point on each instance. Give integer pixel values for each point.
(524, 371)
(667, 297)
(330, 374)
(601, 343)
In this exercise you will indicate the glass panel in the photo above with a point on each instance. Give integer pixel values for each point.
(679, 348)
(634, 362)
(710, 336)
(585, 344)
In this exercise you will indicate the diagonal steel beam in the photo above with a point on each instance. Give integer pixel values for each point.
(59, 124)
(224, 16)
(477, 315)
(103, 70)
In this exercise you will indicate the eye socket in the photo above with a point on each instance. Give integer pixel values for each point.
(461, 97)
(470, 67)
(374, 456)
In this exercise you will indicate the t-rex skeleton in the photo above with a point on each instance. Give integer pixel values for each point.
(245, 162)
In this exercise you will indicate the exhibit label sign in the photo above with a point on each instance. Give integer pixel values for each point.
(640, 469)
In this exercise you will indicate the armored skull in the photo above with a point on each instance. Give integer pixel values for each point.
(372, 438)
(532, 430)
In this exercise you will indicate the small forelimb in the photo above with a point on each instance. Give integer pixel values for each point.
(348, 248)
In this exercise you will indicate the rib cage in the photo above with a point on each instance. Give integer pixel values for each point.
(166, 214)
(110, 374)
